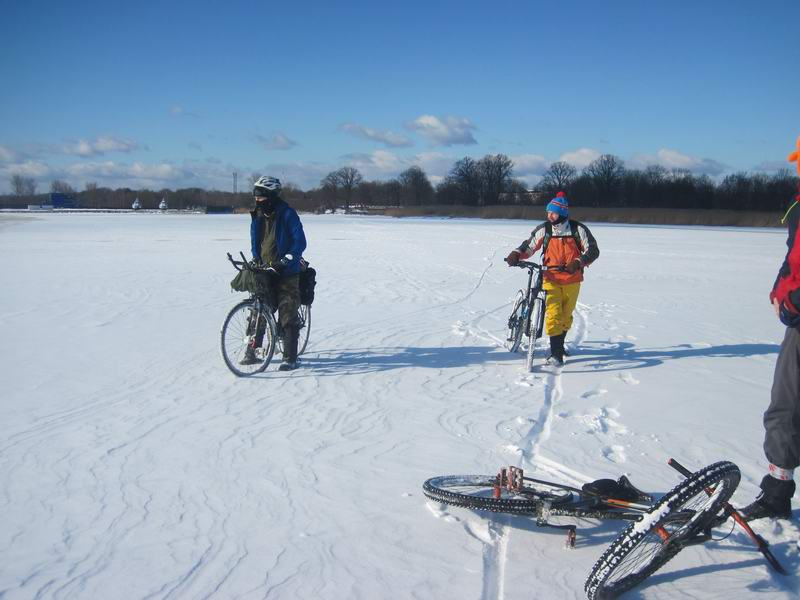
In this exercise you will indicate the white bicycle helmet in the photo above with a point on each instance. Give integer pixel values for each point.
(266, 186)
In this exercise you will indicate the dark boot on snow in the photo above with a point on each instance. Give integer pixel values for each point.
(289, 363)
(249, 357)
(774, 501)
(557, 349)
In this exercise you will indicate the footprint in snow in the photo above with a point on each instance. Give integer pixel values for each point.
(595, 392)
(628, 378)
(615, 454)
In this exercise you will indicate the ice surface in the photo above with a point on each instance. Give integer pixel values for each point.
(133, 464)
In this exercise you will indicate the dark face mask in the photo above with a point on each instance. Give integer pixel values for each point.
(265, 204)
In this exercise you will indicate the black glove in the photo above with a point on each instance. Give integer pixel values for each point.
(574, 266)
(513, 258)
(255, 264)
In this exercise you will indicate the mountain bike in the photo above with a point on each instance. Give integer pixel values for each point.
(250, 325)
(683, 517)
(527, 314)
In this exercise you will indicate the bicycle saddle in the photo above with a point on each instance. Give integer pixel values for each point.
(621, 489)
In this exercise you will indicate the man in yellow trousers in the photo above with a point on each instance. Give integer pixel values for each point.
(564, 243)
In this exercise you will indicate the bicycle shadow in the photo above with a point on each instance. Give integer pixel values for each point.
(357, 361)
(594, 356)
(767, 584)
(590, 532)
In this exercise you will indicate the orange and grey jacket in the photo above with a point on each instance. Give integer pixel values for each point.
(561, 243)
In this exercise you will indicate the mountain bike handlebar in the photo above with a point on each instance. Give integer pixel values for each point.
(524, 264)
(248, 265)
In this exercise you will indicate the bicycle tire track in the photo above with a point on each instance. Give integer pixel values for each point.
(495, 560)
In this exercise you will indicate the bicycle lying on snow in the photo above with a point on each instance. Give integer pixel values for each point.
(251, 325)
(527, 316)
(683, 517)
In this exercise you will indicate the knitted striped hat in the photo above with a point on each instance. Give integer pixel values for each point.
(558, 205)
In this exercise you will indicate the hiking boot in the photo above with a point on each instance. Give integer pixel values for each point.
(774, 501)
(557, 349)
(763, 508)
(249, 357)
(289, 363)
(555, 360)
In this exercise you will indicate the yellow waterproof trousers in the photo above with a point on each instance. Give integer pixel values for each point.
(561, 301)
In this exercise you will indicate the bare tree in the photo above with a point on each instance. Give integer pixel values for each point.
(23, 186)
(495, 174)
(345, 180)
(558, 177)
(606, 174)
(416, 187)
(91, 186)
(61, 187)
(463, 183)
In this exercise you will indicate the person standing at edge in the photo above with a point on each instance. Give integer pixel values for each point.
(782, 418)
(277, 240)
(564, 243)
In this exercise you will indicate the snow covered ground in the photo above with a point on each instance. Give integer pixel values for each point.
(134, 465)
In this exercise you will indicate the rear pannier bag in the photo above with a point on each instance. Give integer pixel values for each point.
(308, 280)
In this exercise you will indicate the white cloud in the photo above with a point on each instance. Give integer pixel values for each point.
(580, 158)
(530, 164)
(387, 138)
(99, 146)
(445, 131)
(179, 111)
(672, 159)
(29, 168)
(773, 166)
(277, 141)
(111, 170)
(6, 154)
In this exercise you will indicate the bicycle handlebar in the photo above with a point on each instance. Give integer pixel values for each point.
(524, 264)
(247, 266)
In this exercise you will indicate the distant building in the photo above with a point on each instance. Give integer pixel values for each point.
(219, 210)
(61, 200)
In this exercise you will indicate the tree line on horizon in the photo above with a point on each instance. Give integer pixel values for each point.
(605, 182)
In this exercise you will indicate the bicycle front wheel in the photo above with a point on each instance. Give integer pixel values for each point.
(515, 322)
(535, 325)
(478, 492)
(247, 339)
(304, 316)
(646, 545)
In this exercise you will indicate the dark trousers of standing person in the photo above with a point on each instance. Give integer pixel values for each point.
(288, 289)
(782, 426)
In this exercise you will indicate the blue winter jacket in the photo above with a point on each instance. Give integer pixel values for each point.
(289, 236)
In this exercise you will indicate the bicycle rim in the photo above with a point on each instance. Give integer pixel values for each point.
(514, 332)
(304, 314)
(238, 334)
(535, 318)
(646, 545)
(478, 492)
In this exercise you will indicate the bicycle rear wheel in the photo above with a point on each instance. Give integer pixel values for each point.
(515, 323)
(535, 326)
(646, 545)
(478, 491)
(304, 316)
(247, 339)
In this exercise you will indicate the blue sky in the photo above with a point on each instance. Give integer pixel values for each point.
(177, 94)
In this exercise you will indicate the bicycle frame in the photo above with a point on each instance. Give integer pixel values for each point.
(532, 290)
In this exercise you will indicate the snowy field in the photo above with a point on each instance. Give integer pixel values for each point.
(134, 465)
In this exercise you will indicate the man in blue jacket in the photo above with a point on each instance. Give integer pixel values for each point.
(278, 241)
